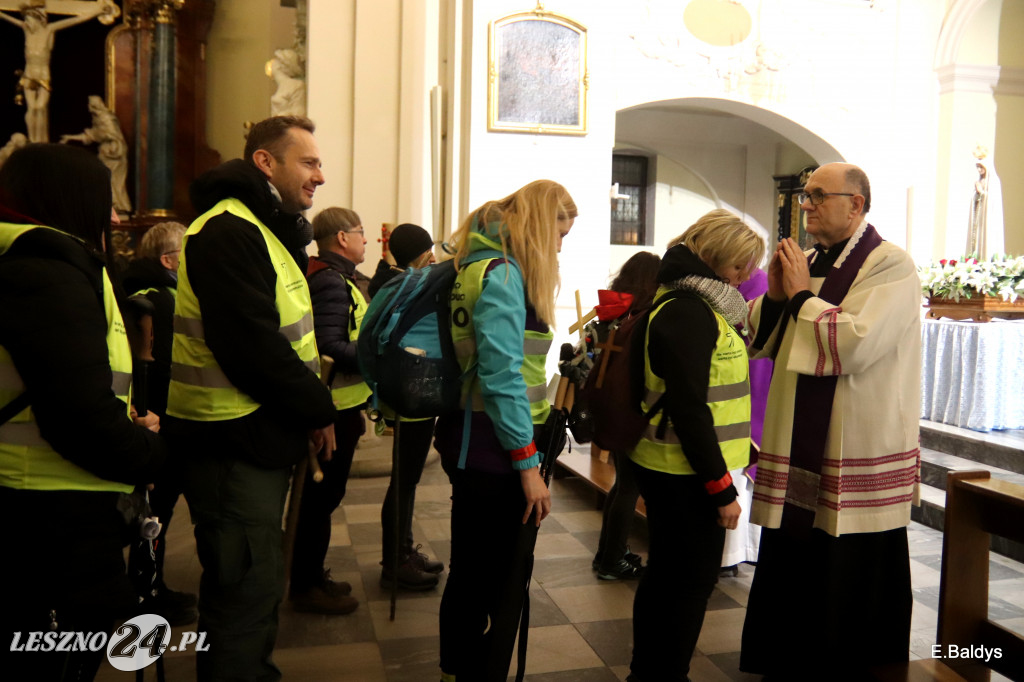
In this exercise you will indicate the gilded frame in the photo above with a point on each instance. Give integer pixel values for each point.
(538, 76)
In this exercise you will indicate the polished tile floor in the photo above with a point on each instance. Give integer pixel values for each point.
(580, 626)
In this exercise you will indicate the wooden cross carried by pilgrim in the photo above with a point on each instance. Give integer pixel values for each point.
(581, 321)
(607, 348)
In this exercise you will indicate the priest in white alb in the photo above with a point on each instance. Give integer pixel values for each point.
(840, 459)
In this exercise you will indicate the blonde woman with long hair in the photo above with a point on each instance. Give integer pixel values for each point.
(502, 304)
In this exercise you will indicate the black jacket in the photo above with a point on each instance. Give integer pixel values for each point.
(149, 273)
(333, 308)
(681, 341)
(232, 276)
(55, 329)
(385, 271)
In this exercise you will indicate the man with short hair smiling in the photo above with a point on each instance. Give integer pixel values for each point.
(245, 398)
(840, 458)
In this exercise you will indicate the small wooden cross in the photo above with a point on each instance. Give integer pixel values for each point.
(607, 348)
(581, 321)
(385, 237)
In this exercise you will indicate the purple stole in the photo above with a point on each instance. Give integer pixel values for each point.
(813, 402)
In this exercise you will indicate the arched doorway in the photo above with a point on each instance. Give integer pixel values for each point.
(704, 153)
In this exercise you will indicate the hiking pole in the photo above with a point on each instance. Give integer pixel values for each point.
(511, 618)
(397, 523)
(306, 464)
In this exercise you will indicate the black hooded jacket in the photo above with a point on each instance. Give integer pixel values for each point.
(234, 279)
(55, 329)
(681, 341)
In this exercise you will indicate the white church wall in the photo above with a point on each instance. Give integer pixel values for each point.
(243, 37)
(371, 67)
(837, 76)
(499, 163)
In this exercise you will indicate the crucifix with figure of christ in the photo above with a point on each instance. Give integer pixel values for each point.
(34, 86)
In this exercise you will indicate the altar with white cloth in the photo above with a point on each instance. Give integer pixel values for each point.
(972, 374)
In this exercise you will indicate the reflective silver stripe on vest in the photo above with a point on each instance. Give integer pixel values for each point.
(9, 377)
(732, 431)
(122, 383)
(533, 393)
(346, 380)
(214, 377)
(536, 346)
(22, 433)
(723, 433)
(717, 394)
(194, 328)
(651, 397)
(296, 330)
(465, 348)
(207, 377)
(189, 327)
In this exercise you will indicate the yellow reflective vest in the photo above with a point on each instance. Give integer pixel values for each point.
(468, 286)
(199, 389)
(728, 399)
(26, 459)
(349, 390)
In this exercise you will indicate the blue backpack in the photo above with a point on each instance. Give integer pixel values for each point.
(405, 349)
(405, 345)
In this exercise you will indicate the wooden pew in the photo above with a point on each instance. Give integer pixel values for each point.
(977, 506)
(597, 471)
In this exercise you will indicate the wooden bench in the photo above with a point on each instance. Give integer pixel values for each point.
(977, 506)
(597, 471)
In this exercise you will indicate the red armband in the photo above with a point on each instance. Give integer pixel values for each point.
(718, 486)
(524, 453)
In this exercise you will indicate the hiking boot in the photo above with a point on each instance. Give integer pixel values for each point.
(181, 600)
(178, 608)
(319, 600)
(423, 562)
(634, 559)
(620, 570)
(338, 588)
(409, 577)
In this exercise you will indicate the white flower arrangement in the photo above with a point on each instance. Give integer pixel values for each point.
(1003, 276)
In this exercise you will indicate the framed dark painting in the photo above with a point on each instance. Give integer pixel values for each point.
(538, 74)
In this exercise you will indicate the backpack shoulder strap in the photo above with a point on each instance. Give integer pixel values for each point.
(8, 411)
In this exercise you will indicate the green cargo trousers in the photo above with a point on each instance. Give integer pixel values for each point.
(237, 510)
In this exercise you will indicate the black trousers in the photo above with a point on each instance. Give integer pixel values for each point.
(685, 550)
(319, 500)
(619, 509)
(487, 514)
(65, 556)
(413, 446)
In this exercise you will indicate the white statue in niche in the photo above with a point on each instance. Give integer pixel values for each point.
(290, 97)
(34, 80)
(985, 221)
(113, 150)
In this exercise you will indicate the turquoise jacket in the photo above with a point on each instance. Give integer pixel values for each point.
(501, 316)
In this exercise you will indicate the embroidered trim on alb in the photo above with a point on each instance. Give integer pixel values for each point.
(852, 243)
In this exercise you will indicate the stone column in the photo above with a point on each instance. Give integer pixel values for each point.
(160, 131)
